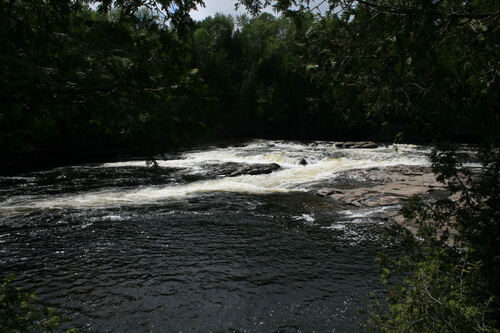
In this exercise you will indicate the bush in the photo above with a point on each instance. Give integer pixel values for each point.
(20, 311)
(453, 265)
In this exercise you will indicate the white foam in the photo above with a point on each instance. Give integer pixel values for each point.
(335, 227)
(367, 212)
(305, 217)
(322, 165)
(112, 218)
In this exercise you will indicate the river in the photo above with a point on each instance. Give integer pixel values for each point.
(122, 247)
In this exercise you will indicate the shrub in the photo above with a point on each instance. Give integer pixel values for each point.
(452, 266)
(21, 312)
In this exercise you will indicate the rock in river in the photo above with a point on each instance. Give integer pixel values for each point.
(255, 169)
(233, 169)
(385, 186)
(357, 145)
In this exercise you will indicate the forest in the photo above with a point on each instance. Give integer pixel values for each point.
(142, 76)
(412, 70)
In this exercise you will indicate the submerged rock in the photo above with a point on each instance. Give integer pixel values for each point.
(303, 162)
(357, 145)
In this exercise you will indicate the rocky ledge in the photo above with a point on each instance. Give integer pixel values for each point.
(386, 187)
(254, 169)
(232, 169)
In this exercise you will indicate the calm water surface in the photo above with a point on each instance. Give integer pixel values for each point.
(121, 247)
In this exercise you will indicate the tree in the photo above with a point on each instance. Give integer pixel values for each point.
(75, 76)
(452, 270)
(408, 67)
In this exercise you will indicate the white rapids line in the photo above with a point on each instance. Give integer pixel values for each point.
(291, 178)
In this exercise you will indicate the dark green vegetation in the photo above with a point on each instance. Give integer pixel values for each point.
(20, 311)
(453, 269)
(75, 77)
(71, 76)
(411, 70)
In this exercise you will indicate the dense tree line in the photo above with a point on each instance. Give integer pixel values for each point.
(415, 68)
(128, 71)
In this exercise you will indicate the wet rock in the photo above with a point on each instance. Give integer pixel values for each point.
(380, 187)
(385, 189)
(387, 214)
(376, 176)
(255, 169)
(303, 162)
(388, 188)
(328, 191)
(389, 200)
(345, 144)
(233, 169)
(357, 145)
(223, 169)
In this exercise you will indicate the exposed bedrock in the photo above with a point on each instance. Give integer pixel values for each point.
(384, 186)
(255, 169)
(231, 169)
(387, 186)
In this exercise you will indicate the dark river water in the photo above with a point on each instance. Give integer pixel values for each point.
(121, 247)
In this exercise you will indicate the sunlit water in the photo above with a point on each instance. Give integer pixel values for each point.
(121, 247)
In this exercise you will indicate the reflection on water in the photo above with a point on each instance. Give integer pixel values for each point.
(120, 247)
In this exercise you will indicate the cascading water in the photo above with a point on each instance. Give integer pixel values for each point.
(185, 247)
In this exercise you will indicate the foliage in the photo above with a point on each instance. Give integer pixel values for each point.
(20, 311)
(410, 66)
(441, 295)
(73, 76)
(412, 69)
(174, 11)
(454, 266)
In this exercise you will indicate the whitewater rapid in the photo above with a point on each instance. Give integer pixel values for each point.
(324, 161)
